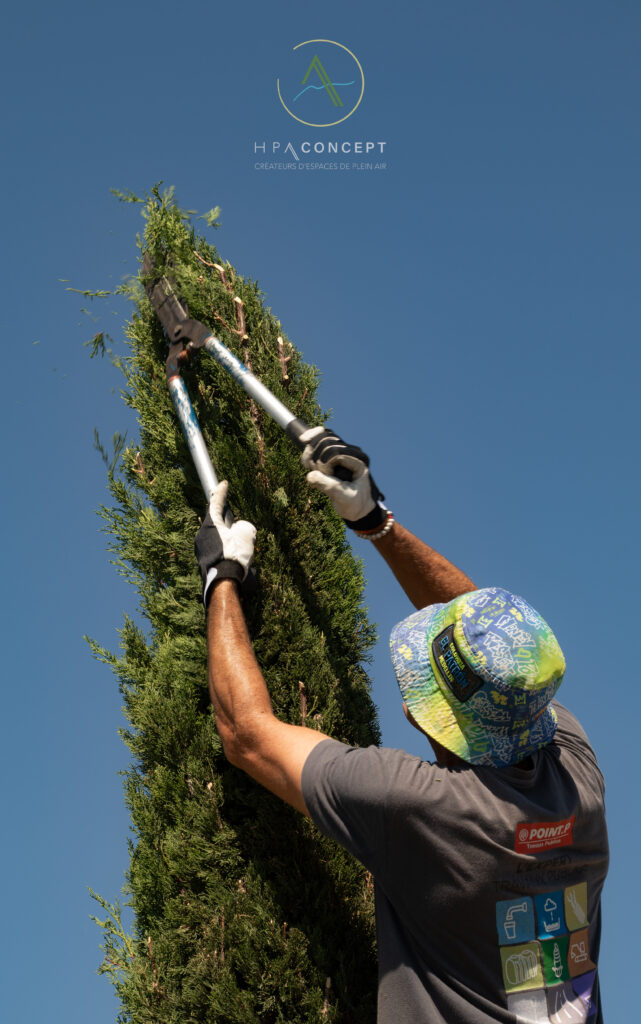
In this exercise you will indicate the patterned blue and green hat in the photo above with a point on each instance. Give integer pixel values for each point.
(478, 674)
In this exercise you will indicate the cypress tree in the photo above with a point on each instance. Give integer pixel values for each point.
(243, 912)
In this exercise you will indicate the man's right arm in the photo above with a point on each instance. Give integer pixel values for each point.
(425, 576)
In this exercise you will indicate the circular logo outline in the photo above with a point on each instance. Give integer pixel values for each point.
(328, 124)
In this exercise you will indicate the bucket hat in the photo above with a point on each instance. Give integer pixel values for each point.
(478, 674)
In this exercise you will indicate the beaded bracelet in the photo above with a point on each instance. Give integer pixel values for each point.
(377, 533)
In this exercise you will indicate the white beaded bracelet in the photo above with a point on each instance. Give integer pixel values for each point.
(368, 535)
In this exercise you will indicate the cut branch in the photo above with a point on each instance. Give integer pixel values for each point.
(284, 359)
(240, 316)
(222, 273)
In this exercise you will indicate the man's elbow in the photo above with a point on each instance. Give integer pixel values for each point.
(240, 745)
(232, 746)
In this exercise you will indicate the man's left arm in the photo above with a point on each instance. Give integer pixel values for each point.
(271, 751)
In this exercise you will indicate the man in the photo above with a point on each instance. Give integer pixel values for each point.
(488, 862)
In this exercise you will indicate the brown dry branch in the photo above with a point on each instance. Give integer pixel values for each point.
(205, 262)
(303, 702)
(139, 468)
(221, 319)
(302, 399)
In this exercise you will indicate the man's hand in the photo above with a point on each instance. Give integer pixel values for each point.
(224, 548)
(358, 501)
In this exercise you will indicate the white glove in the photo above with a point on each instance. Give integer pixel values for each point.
(238, 539)
(358, 501)
(224, 548)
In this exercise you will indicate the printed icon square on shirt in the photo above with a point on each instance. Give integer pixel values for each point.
(515, 920)
(579, 954)
(583, 987)
(576, 906)
(529, 1006)
(565, 1006)
(521, 967)
(555, 960)
(549, 914)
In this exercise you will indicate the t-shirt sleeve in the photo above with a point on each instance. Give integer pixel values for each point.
(343, 788)
(346, 790)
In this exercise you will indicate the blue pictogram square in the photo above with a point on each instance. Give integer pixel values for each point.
(549, 915)
(515, 920)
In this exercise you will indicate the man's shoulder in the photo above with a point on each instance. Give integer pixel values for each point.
(576, 753)
(569, 731)
(370, 773)
(352, 758)
(567, 721)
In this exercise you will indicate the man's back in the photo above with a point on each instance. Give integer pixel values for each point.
(488, 880)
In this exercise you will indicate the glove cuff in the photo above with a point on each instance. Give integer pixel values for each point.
(224, 570)
(375, 518)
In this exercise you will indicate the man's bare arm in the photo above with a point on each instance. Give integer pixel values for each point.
(425, 576)
(269, 750)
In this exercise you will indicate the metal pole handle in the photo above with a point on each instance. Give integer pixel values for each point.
(292, 425)
(193, 436)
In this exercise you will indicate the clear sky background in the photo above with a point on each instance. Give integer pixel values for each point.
(473, 307)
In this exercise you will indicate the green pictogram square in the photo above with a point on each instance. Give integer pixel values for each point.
(555, 960)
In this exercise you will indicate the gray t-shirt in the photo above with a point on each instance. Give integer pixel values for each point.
(488, 880)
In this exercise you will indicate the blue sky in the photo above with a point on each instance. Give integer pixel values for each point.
(473, 307)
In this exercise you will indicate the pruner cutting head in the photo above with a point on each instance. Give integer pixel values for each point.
(185, 334)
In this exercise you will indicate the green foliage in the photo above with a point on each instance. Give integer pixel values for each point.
(243, 911)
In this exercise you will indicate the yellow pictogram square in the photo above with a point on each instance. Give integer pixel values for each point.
(521, 967)
(576, 906)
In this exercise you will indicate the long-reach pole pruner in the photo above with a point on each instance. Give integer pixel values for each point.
(186, 336)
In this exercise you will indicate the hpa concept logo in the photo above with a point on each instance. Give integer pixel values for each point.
(320, 85)
(323, 84)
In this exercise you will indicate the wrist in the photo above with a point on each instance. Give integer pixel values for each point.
(382, 530)
(225, 571)
(372, 522)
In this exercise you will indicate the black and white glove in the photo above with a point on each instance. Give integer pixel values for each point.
(224, 548)
(358, 501)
